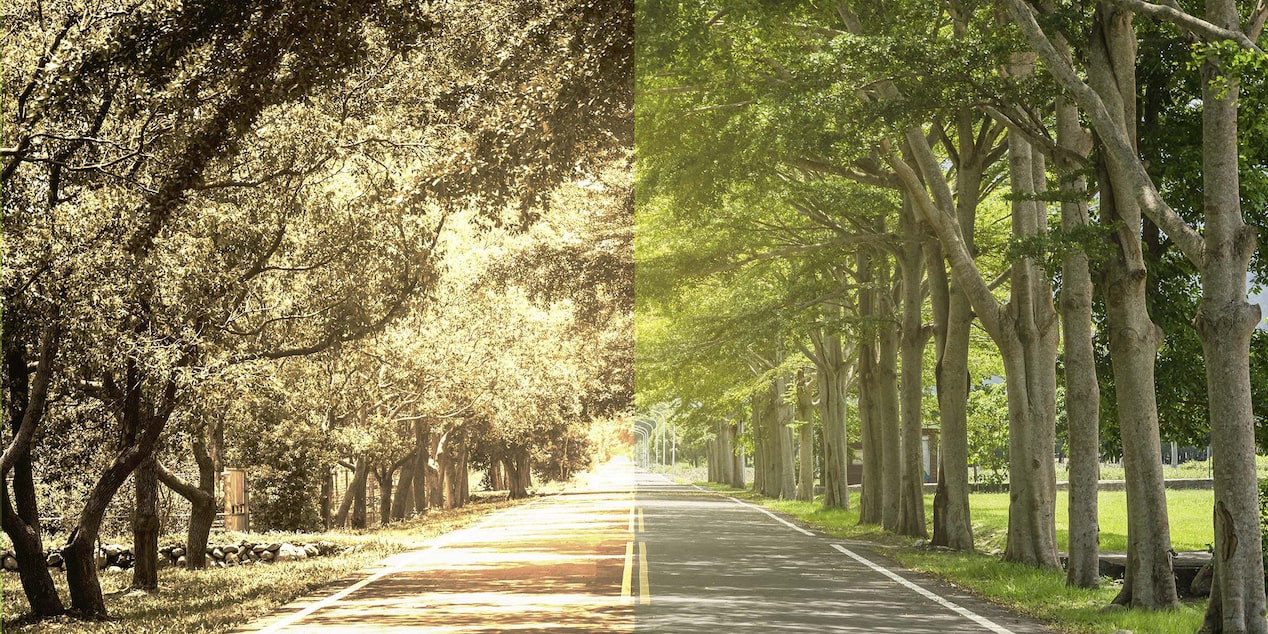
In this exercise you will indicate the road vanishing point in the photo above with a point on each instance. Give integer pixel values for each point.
(629, 551)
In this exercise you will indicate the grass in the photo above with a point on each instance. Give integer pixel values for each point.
(1188, 511)
(1038, 593)
(217, 600)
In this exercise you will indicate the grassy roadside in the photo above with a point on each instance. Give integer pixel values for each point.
(1041, 594)
(217, 600)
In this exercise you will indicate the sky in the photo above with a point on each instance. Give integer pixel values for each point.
(1261, 298)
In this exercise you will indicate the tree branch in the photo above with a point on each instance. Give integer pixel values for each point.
(1255, 25)
(1118, 146)
(1170, 11)
(947, 229)
(38, 398)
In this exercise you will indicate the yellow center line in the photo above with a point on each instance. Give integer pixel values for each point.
(640, 521)
(644, 591)
(627, 578)
(631, 520)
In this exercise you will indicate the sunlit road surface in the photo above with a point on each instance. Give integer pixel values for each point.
(552, 565)
(627, 551)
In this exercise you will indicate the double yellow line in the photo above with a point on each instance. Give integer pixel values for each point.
(627, 579)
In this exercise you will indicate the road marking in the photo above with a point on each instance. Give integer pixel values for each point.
(438, 543)
(644, 590)
(775, 517)
(631, 520)
(627, 578)
(980, 620)
(640, 521)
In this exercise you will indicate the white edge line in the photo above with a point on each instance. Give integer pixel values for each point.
(774, 517)
(438, 543)
(965, 612)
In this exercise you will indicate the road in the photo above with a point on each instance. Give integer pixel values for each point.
(631, 552)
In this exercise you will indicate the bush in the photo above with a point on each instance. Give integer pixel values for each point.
(282, 499)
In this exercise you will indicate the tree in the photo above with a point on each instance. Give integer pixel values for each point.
(1221, 253)
(176, 242)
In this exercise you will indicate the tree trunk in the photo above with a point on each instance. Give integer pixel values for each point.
(782, 434)
(327, 491)
(495, 475)
(737, 458)
(1133, 337)
(953, 527)
(1082, 394)
(403, 498)
(1225, 322)
(22, 524)
(759, 445)
(360, 474)
(1028, 325)
(886, 403)
(911, 497)
(145, 527)
(713, 450)
(1025, 329)
(869, 432)
(512, 477)
(28, 549)
(806, 440)
(460, 487)
(422, 444)
(201, 518)
(384, 477)
(202, 500)
(524, 471)
(953, 320)
(360, 513)
(833, 385)
(142, 424)
(729, 448)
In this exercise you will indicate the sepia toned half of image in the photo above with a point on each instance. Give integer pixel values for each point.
(309, 306)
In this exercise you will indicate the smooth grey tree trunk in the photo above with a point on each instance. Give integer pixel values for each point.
(953, 319)
(1030, 353)
(833, 377)
(1225, 322)
(725, 452)
(911, 498)
(1134, 339)
(713, 453)
(1082, 394)
(737, 457)
(886, 400)
(871, 497)
(760, 441)
(785, 468)
(805, 440)
(1025, 329)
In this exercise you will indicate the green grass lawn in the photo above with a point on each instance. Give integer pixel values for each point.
(1189, 513)
(1039, 593)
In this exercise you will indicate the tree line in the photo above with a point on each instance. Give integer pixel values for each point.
(296, 235)
(861, 211)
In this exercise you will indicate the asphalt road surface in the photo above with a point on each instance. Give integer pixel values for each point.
(631, 552)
